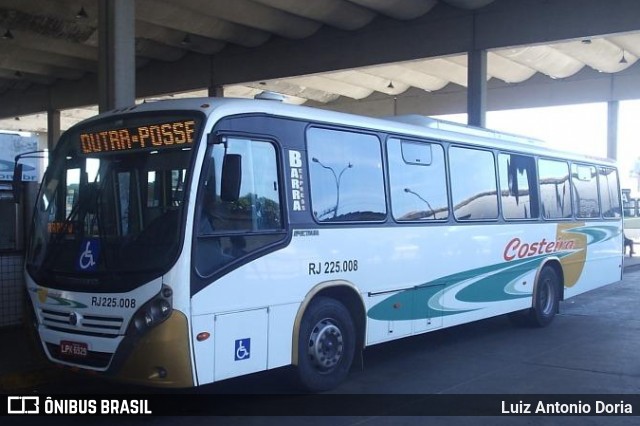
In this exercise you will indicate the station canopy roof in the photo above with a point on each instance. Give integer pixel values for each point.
(44, 42)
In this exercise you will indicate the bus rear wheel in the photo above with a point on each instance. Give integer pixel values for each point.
(326, 345)
(547, 298)
(545, 304)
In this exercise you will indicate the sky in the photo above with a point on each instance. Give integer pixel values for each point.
(577, 128)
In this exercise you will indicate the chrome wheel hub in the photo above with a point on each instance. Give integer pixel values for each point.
(326, 345)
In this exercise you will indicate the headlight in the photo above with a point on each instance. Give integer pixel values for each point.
(154, 311)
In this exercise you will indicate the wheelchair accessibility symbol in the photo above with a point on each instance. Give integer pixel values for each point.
(243, 348)
(88, 257)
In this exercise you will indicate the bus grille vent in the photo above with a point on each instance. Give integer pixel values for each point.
(92, 325)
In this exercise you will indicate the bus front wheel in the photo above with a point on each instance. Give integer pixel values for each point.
(326, 345)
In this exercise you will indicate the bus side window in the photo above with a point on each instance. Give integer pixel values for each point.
(518, 189)
(609, 193)
(585, 191)
(418, 181)
(346, 177)
(555, 193)
(473, 184)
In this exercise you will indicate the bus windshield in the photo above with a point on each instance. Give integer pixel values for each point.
(111, 203)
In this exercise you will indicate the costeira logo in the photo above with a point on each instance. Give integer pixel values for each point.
(23, 405)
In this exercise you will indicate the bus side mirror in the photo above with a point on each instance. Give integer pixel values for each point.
(231, 177)
(16, 186)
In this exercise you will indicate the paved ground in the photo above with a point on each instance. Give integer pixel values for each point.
(592, 347)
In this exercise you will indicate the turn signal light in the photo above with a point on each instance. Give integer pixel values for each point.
(201, 337)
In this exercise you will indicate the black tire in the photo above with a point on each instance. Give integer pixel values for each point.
(547, 298)
(326, 345)
(545, 305)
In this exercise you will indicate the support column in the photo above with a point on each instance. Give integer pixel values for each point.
(612, 129)
(53, 129)
(477, 88)
(116, 54)
(216, 92)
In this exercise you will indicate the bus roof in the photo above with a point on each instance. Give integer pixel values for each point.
(408, 125)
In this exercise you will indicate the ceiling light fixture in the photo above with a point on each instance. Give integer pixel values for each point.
(623, 60)
(8, 35)
(82, 14)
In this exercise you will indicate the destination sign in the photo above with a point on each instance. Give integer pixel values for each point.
(171, 134)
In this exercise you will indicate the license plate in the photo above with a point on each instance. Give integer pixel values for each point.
(73, 349)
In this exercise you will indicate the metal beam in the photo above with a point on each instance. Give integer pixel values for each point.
(586, 86)
(514, 23)
(443, 31)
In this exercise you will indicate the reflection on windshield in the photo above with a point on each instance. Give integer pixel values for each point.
(113, 214)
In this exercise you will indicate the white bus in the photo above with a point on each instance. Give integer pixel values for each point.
(184, 242)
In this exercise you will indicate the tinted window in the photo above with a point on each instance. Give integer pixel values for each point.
(518, 192)
(585, 191)
(236, 220)
(609, 192)
(473, 184)
(418, 182)
(346, 176)
(555, 193)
